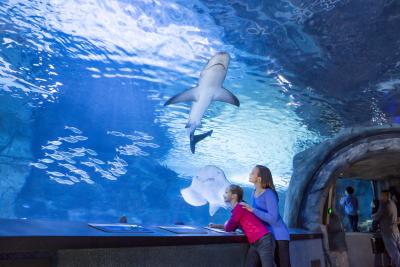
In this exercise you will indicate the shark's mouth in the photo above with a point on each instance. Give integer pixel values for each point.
(216, 64)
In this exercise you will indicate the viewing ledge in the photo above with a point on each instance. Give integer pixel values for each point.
(27, 235)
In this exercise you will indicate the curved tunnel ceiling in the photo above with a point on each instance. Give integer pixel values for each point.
(375, 167)
(345, 52)
(369, 153)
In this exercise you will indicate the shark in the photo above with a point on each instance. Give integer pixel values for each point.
(208, 186)
(209, 88)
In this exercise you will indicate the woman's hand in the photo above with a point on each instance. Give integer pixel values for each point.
(247, 206)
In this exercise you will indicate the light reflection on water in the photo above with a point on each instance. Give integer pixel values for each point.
(111, 53)
(262, 131)
(166, 44)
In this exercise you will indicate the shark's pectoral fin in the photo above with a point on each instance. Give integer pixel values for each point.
(192, 197)
(225, 95)
(185, 96)
(194, 139)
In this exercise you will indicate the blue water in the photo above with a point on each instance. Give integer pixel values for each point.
(83, 130)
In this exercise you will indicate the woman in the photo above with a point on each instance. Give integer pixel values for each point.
(261, 249)
(265, 207)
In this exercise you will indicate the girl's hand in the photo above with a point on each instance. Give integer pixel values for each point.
(217, 226)
(247, 206)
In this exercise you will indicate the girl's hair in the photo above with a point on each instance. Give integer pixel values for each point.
(266, 177)
(235, 189)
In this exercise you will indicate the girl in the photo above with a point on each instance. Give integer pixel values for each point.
(265, 206)
(260, 239)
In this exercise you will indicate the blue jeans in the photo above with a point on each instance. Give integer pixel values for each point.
(261, 250)
(353, 220)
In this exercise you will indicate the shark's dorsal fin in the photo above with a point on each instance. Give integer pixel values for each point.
(185, 96)
(224, 95)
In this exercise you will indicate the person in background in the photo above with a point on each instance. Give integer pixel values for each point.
(265, 206)
(337, 241)
(350, 204)
(386, 216)
(394, 197)
(374, 208)
(259, 237)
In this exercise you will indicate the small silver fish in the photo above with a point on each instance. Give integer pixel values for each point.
(78, 149)
(115, 133)
(143, 144)
(114, 173)
(87, 180)
(82, 173)
(56, 174)
(45, 160)
(108, 175)
(38, 165)
(144, 135)
(69, 160)
(69, 139)
(50, 147)
(121, 161)
(118, 171)
(97, 168)
(147, 137)
(73, 129)
(141, 133)
(133, 138)
(91, 152)
(88, 163)
(67, 166)
(100, 162)
(62, 181)
(72, 178)
(65, 154)
(55, 143)
(54, 156)
(115, 164)
(80, 137)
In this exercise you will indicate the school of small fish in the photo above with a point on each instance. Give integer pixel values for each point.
(72, 161)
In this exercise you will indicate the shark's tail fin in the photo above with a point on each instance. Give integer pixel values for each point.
(197, 138)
